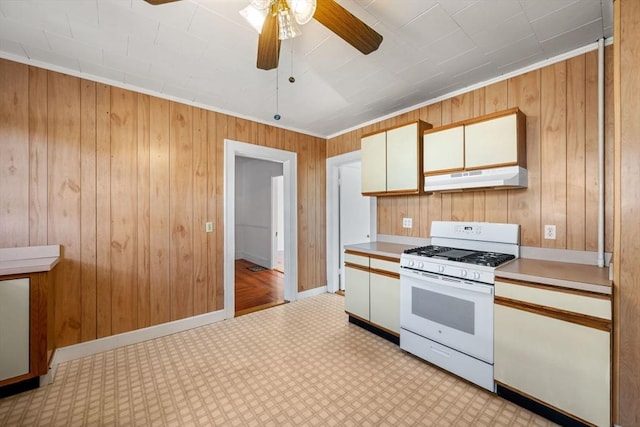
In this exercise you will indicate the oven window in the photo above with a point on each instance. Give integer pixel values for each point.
(446, 310)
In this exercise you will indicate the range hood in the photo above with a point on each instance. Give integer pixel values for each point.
(483, 179)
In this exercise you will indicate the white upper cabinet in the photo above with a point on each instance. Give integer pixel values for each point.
(491, 141)
(443, 149)
(374, 163)
(402, 158)
(496, 142)
(392, 160)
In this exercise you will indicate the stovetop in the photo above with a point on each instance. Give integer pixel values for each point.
(485, 258)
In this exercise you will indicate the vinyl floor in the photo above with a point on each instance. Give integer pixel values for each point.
(297, 364)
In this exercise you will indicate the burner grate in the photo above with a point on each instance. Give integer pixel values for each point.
(490, 259)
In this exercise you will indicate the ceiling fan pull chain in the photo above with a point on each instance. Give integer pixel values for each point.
(277, 116)
(291, 78)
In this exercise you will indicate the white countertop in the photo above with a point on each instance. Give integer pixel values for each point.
(29, 259)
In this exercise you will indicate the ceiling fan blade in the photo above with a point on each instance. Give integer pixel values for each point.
(269, 44)
(157, 2)
(347, 26)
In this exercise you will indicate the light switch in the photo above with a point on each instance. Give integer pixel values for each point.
(208, 227)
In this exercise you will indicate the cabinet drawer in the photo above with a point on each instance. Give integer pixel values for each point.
(356, 259)
(597, 306)
(388, 266)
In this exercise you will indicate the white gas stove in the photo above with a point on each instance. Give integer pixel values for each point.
(446, 295)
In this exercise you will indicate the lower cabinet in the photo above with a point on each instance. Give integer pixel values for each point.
(553, 347)
(26, 334)
(372, 291)
(357, 286)
(14, 328)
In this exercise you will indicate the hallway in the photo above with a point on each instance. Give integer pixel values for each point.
(256, 290)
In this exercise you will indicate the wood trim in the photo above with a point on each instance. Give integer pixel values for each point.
(491, 116)
(479, 119)
(375, 256)
(441, 128)
(375, 193)
(443, 171)
(388, 128)
(356, 266)
(555, 288)
(619, 390)
(399, 192)
(492, 166)
(373, 270)
(541, 402)
(384, 273)
(375, 325)
(567, 316)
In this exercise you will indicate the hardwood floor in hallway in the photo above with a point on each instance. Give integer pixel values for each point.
(256, 290)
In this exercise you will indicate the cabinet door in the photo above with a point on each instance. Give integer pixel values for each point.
(402, 159)
(491, 142)
(14, 328)
(356, 293)
(385, 301)
(443, 150)
(563, 364)
(374, 163)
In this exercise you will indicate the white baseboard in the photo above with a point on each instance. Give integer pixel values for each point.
(312, 292)
(76, 351)
(258, 260)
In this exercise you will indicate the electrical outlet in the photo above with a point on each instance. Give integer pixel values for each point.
(407, 222)
(208, 227)
(550, 232)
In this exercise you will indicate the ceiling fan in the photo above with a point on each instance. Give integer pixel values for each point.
(279, 19)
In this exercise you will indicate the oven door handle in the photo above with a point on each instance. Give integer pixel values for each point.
(479, 289)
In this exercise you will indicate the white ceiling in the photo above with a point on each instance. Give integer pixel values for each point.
(202, 52)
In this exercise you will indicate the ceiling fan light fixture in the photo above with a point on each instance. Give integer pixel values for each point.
(287, 26)
(303, 10)
(255, 17)
(260, 4)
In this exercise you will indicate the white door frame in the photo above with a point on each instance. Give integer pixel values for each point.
(289, 162)
(274, 231)
(333, 216)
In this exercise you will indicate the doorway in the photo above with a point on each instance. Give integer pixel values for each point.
(288, 162)
(334, 243)
(257, 284)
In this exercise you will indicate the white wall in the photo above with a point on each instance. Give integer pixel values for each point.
(253, 209)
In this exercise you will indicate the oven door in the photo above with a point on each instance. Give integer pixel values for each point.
(455, 313)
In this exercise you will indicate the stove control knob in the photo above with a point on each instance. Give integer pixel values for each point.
(463, 273)
(410, 263)
(476, 275)
(421, 265)
(441, 269)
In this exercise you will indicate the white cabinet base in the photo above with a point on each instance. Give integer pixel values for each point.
(14, 328)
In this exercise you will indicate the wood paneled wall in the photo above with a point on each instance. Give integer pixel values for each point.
(560, 102)
(626, 291)
(125, 182)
